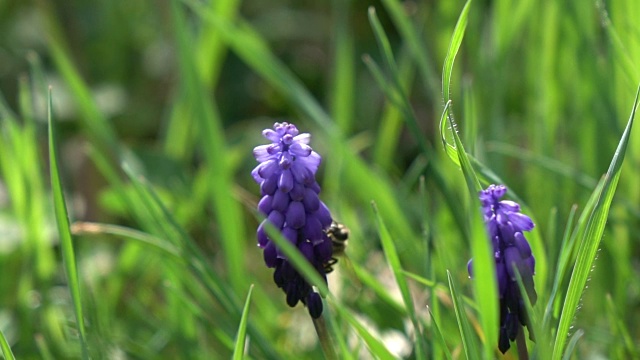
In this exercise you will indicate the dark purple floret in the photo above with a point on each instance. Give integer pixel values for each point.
(290, 202)
(506, 226)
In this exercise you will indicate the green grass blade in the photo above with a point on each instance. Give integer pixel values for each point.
(238, 350)
(617, 321)
(394, 262)
(377, 348)
(211, 135)
(484, 283)
(439, 337)
(414, 41)
(90, 228)
(448, 148)
(469, 341)
(454, 46)
(591, 241)
(64, 231)
(572, 344)
(390, 62)
(6, 349)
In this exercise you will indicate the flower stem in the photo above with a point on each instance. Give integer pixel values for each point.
(325, 339)
(521, 342)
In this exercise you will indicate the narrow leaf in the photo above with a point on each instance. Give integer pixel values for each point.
(6, 349)
(238, 350)
(593, 235)
(394, 262)
(66, 242)
(468, 337)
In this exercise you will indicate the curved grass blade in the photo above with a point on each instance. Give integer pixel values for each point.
(6, 349)
(572, 344)
(238, 350)
(454, 46)
(377, 348)
(64, 231)
(469, 341)
(394, 262)
(592, 236)
(91, 228)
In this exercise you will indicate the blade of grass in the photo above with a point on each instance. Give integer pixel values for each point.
(454, 46)
(572, 344)
(6, 349)
(377, 348)
(66, 242)
(439, 337)
(390, 63)
(469, 342)
(591, 241)
(227, 211)
(415, 42)
(238, 350)
(484, 272)
(91, 228)
(617, 321)
(394, 263)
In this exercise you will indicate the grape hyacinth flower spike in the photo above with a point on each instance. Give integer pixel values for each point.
(290, 202)
(506, 226)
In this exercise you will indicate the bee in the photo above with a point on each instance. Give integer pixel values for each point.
(339, 234)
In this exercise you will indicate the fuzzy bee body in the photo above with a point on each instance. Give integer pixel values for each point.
(339, 234)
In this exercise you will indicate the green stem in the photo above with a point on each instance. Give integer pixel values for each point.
(325, 339)
(521, 342)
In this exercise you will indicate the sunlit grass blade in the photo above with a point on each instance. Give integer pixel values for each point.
(448, 148)
(568, 355)
(238, 350)
(64, 231)
(439, 337)
(484, 272)
(377, 348)
(454, 46)
(565, 250)
(6, 349)
(394, 262)
(469, 342)
(593, 235)
(90, 228)
(381, 292)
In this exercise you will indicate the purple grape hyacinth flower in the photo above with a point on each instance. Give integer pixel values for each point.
(290, 202)
(506, 225)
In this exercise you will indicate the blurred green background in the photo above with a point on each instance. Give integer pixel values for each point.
(177, 92)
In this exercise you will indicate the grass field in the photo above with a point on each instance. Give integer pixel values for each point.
(128, 211)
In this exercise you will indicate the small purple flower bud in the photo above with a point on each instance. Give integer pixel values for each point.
(296, 216)
(314, 304)
(280, 201)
